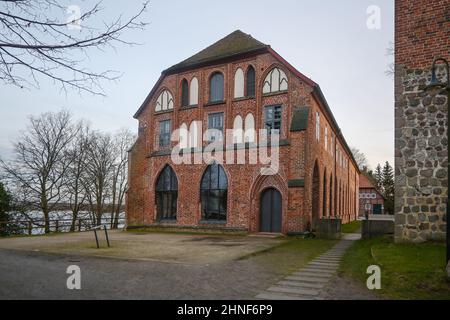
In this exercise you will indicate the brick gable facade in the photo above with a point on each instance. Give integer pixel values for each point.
(300, 150)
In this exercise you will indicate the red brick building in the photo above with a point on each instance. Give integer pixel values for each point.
(242, 84)
(370, 199)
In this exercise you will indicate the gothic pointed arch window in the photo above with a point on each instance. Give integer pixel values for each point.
(239, 83)
(251, 82)
(167, 194)
(184, 93)
(216, 87)
(249, 133)
(193, 92)
(213, 191)
(238, 130)
(164, 101)
(275, 81)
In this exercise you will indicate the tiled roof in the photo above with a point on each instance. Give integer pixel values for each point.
(233, 44)
(365, 182)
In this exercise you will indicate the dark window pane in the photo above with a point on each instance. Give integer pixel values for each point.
(167, 194)
(214, 176)
(214, 193)
(251, 82)
(164, 133)
(184, 93)
(216, 87)
(205, 185)
(272, 118)
(223, 182)
(215, 121)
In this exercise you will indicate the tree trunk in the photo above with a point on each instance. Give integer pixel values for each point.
(46, 221)
(74, 220)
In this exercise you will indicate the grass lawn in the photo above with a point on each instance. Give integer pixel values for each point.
(408, 271)
(351, 227)
(292, 254)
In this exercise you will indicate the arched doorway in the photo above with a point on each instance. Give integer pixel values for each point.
(270, 210)
(315, 195)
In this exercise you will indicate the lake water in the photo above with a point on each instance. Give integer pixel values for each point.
(64, 221)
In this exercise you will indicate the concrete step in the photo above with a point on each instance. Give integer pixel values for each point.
(280, 296)
(327, 260)
(325, 264)
(307, 279)
(323, 274)
(300, 284)
(296, 291)
(319, 265)
(320, 268)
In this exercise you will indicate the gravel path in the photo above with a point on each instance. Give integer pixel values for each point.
(37, 275)
(318, 279)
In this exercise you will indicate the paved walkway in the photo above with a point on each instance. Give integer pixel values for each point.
(309, 282)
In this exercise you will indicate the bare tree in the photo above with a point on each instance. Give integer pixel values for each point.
(38, 37)
(360, 159)
(123, 141)
(41, 161)
(99, 170)
(76, 193)
(390, 52)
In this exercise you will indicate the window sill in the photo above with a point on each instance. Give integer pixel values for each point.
(164, 148)
(188, 107)
(167, 221)
(214, 222)
(214, 103)
(243, 99)
(275, 93)
(163, 111)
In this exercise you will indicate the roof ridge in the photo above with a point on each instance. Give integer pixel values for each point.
(237, 42)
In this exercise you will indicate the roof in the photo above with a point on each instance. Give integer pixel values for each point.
(364, 182)
(300, 119)
(234, 46)
(235, 43)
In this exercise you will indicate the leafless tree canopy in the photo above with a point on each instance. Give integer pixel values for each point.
(39, 39)
(360, 159)
(41, 161)
(59, 161)
(390, 52)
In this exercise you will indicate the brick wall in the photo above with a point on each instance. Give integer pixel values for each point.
(298, 155)
(422, 32)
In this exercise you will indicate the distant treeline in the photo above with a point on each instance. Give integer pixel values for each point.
(64, 165)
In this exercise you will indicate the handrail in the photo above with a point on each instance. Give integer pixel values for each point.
(96, 237)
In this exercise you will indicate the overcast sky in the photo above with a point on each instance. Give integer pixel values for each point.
(328, 40)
